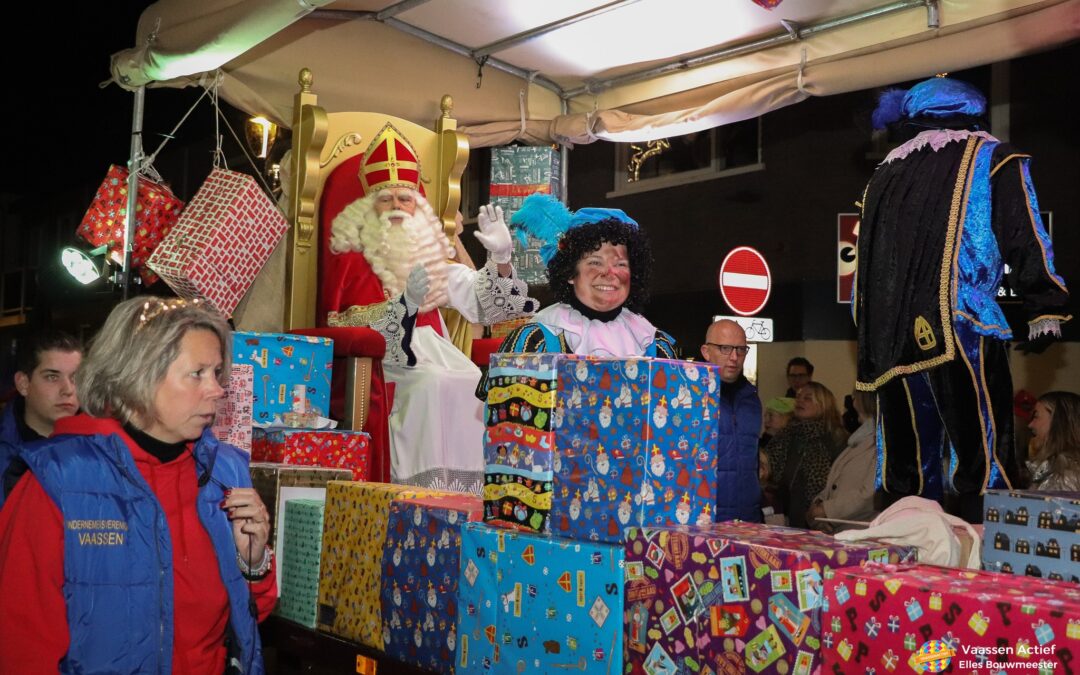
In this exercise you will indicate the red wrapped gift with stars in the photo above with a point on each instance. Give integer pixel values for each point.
(156, 211)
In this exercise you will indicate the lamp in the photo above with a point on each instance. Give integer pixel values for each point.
(261, 134)
(83, 265)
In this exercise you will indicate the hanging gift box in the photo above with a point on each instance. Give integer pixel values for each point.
(221, 242)
(156, 212)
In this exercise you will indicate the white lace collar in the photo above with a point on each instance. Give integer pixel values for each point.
(628, 334)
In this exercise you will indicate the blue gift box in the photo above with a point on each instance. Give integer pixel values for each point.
(281, 362)
(1032, 533)
(538, 604)
(635, 443)
(421, 567)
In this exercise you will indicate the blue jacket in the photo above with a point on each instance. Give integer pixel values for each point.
(738, 494)
(10, 444)
(119, 591)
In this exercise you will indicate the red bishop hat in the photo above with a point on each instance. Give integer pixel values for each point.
(390, 161)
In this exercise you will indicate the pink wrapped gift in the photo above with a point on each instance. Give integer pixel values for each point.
(922, 618)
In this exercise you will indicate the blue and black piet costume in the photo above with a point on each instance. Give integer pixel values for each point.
(941, 217)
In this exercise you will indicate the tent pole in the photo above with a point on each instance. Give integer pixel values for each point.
(564, 161)
(134, 166)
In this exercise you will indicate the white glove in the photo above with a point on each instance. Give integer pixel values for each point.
(494, 234)
(416, 288)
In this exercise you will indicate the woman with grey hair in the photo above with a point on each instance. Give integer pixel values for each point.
(135, 543)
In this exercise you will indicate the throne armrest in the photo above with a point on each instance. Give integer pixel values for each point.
(350, 341)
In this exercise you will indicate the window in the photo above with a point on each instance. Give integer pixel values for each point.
(689, 158)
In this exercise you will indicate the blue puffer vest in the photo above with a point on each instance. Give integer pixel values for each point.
(118, 578)
(738, 494)
(10, 442)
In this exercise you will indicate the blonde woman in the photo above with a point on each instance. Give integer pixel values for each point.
(849, 488)
(135, 543)
(801, 454)
(1055, 442)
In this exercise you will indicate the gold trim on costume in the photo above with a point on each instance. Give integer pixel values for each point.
(915, 432)
(1015, 155)
(993, 423)
(977, 386)
(359, 315)
(1042, 249)
(1059, 317)
(976, 322)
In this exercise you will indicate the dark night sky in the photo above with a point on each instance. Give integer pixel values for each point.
(63, 130)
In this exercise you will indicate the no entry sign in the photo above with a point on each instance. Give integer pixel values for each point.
(745, 281)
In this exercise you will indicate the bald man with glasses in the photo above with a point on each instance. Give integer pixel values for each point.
(738, 494)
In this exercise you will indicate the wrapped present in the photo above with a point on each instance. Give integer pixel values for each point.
(518, 442)
(736, 596)
(1032, 533)
(303, 525)
(221, 242)
(421, 566)
(313, 447)
(538, 604)
(986, 621)
(583, 447)
(269, 479)
(283, 363)
(516, 173)
(232, 423)
(350, 581)
(635, 443)
(156, 212)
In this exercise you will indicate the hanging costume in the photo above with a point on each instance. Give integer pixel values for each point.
(941, 217)
(436, 427)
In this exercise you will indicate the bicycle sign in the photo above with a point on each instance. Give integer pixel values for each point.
(757, 329)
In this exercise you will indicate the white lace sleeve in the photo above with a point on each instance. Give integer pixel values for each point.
(502, 298)
(391, 318)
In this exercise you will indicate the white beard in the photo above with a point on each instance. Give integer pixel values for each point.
(393, 251)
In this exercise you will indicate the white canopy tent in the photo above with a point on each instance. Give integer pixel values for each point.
(574, 71)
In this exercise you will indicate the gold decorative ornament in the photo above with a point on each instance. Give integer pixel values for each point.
(641, 154)
(924, 334)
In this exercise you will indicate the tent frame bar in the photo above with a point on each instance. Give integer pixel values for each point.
(792, 33)
(482, 55)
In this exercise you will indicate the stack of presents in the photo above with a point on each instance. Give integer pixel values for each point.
(593, 549)
(593, 546)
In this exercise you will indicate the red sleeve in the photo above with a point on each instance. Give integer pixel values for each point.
(265, 592)
(33, 615)
(347, 280)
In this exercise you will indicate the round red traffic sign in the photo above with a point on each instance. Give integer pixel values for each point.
(745, 281)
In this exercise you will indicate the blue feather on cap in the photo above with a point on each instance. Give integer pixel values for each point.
(542, 217)
(889, 108)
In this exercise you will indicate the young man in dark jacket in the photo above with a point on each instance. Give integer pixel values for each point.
(45, 379)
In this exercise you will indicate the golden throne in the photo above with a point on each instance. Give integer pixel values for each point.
(327, 149)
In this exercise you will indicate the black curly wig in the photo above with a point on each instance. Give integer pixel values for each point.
(579, 241)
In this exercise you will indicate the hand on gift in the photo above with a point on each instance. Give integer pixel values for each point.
(817, 510)
(416, 288)
(494, 234)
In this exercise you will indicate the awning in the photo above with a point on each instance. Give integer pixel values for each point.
(577, 70)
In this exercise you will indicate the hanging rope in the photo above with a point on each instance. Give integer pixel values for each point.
(243, 147)
(219, 155)
(147, 164)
